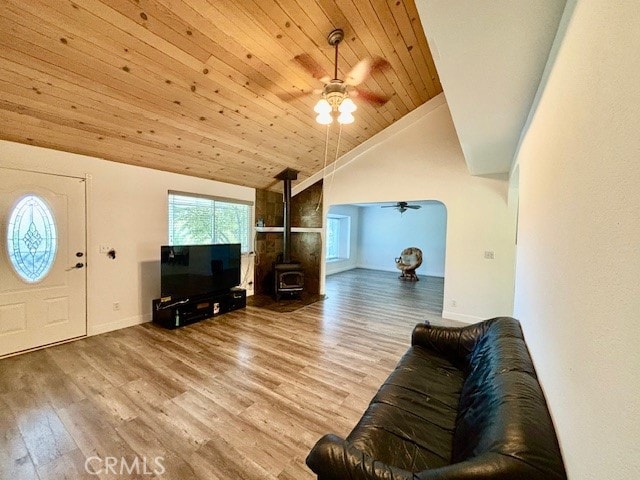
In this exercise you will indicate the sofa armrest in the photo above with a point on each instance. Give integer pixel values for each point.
(456, 343)
(333, 458)
(444, 340)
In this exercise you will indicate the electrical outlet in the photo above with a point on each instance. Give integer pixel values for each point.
(116, 305)
(454, 303)
(104, 248)
(489, 254)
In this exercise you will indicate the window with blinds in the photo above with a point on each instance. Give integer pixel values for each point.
(333, 238)
(198, 220)
(338, 237)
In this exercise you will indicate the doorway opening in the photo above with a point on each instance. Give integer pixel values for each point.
(363, 240)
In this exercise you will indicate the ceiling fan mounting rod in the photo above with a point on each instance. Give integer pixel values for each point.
(335, 70)
(334, 38)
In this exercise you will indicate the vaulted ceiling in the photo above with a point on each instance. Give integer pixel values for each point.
(207, 88)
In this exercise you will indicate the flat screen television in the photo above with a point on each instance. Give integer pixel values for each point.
(193, 270)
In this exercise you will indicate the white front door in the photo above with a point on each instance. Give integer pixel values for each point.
(43, 279)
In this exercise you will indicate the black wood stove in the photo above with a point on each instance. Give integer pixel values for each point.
(288, 274)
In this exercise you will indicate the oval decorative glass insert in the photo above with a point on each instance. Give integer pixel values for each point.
(31, 238)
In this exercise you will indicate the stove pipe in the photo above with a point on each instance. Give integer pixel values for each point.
(287, 176)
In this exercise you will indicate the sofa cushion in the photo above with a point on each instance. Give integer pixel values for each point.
(501, 348)
(411, 420)
(502, 408)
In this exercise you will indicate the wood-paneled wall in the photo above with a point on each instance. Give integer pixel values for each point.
(306, 247)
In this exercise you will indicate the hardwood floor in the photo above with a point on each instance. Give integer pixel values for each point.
(242, 396)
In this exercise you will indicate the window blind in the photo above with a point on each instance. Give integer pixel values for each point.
(197, 220)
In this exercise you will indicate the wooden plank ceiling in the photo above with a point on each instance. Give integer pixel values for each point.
(201, 87)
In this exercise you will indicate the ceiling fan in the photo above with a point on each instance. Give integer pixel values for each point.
(336, 92)
(402, 207)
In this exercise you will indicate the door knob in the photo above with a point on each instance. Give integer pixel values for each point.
(77, 265)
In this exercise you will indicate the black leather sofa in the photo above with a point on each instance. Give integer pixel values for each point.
(462, 404)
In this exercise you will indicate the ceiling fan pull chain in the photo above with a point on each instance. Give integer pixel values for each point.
(337, 148)
(324, 167)
(335, 160)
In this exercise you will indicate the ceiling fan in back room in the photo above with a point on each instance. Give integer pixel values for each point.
(336, 92)
(402, 207)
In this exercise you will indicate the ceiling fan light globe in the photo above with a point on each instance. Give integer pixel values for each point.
(323, 106)
(345, 118)
(347, 106)
(324, 118)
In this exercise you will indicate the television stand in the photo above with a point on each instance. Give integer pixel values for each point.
(185, 311)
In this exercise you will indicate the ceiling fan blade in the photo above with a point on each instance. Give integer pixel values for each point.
(371, 97)
(364, 68)
(359, 72)
(307, 62)
(379, 64)
(295, 95)
(388, 206)
(414, 207)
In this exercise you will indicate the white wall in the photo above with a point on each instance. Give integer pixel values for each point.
(384, 233)
(419, 158)
(578, 260)
(353, 213)
(490, 55)
(127, 210)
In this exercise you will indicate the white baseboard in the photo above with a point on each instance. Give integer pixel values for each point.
(387, 268)
(124, 323)
(380, 268)
(341, 269)
(461, 317)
